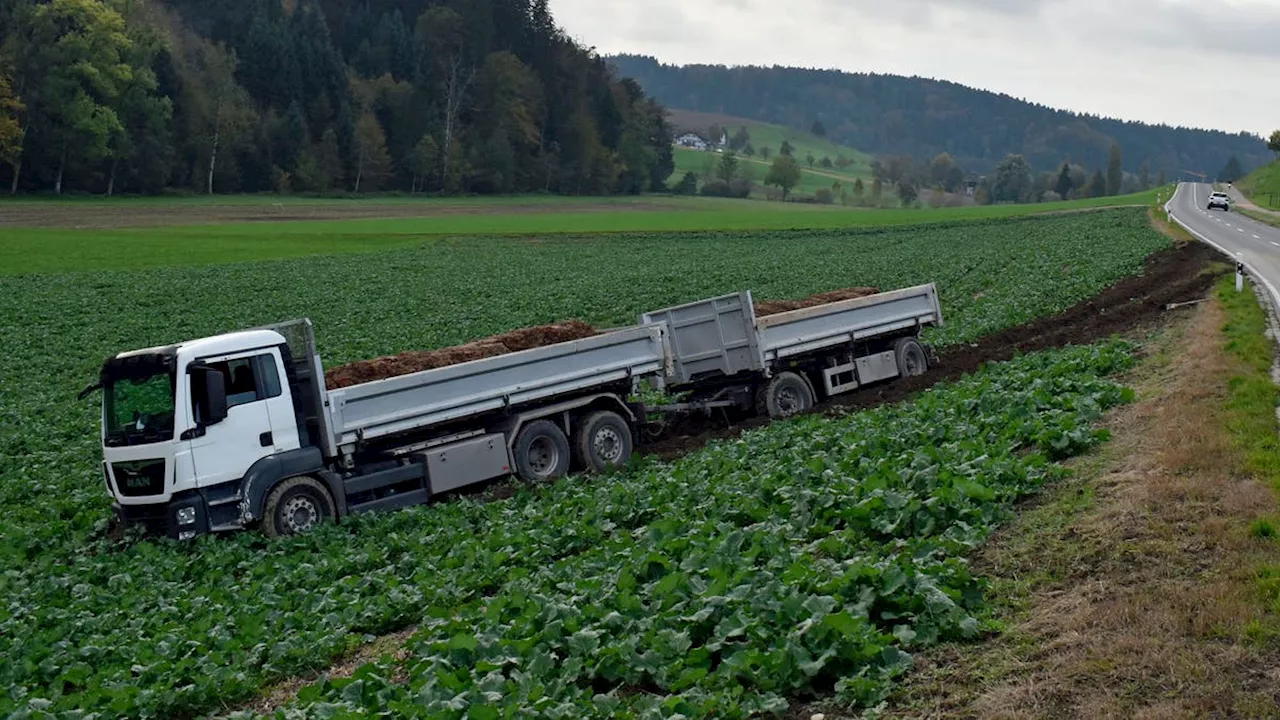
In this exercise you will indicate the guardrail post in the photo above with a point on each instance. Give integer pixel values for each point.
(1239, 277)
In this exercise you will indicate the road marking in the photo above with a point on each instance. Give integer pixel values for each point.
(1239, 229)
(1273, 242)
(1255, 237)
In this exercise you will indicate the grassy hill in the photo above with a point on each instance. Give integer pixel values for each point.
(1263, 186)
(771, 136)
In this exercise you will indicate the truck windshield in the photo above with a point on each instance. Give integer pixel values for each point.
(139, 410)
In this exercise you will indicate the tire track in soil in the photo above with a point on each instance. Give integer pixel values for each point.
(1182, 273)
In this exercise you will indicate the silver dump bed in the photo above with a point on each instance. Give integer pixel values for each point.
(410, 402)
(723, 336)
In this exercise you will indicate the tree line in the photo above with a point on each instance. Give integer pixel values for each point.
(478, 96)
(917, 117)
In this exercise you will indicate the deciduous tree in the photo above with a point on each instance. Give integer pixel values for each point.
(1097, 186)
(1013, 180)
(73, 64)
(11, 111)
(1273, 144)
(784, 174)
(372, 161)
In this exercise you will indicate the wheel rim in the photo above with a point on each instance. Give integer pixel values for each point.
(913, 361)
(789, 400)
(301, 513)
(544, 456)
(608, 445)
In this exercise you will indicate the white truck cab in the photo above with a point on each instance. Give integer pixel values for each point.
(196, 416)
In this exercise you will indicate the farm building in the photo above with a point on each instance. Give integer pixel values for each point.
(692, 140)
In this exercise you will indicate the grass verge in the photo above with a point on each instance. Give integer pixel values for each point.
(1147, 585)
(1251, 418)
(1260, 217)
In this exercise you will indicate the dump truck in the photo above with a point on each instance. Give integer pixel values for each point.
(239, 431)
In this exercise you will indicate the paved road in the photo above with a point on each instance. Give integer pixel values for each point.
(1255, 244)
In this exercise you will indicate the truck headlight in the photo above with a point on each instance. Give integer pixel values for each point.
(186, 515)
(186, 534)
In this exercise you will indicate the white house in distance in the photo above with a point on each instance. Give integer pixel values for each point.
(693, 141)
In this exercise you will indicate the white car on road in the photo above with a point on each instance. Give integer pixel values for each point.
(1219, 200)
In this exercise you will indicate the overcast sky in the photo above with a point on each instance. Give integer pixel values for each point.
(1201, 63)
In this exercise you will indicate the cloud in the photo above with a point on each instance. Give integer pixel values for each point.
(1232, 29)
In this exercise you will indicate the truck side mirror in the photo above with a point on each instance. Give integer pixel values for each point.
(215, 397)
(210, 394)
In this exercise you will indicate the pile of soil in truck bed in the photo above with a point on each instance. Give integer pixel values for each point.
(773, 307)
(414, 361)
(418, 360)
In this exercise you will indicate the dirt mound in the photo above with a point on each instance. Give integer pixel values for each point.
(773, 307)
(1178, 274)
(419, 360)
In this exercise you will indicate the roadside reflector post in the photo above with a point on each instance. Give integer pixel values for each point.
(1239, 276)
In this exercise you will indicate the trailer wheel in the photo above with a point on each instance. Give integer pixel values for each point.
(541, 452)
(295, 506)
(911, 358)
(603, 441)
(785, 394)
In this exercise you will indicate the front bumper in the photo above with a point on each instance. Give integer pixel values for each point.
(182, 518)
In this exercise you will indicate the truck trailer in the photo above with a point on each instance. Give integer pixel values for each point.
(239, 431)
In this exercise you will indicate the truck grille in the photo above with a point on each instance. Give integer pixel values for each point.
(139, 478)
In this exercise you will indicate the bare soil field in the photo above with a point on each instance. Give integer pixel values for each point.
(129, 215)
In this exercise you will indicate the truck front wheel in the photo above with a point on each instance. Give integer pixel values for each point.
(296, 506)
(785, 394)
(603, 441)
(541, 452)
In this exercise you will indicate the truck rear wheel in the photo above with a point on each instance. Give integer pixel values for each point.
(541, 452)
(911, 357)
(785, 394)
(296, 506)
(602, 441)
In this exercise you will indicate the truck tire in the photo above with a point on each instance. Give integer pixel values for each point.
(602, 441)
(785, 394)
(295, 506)
(911, 357)
(541, 452)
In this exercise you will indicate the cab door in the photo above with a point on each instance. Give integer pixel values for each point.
(224, 452)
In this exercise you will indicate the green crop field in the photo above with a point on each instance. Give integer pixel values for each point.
(811, 555)
(202, 232)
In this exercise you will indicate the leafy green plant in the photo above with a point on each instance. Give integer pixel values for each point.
(778, 519)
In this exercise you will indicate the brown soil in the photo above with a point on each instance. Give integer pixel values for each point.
(1179, 274)
(773, 307)
(128, 215)
(419, 360)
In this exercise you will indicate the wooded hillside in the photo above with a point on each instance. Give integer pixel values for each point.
(485, 96)
(893, 115)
